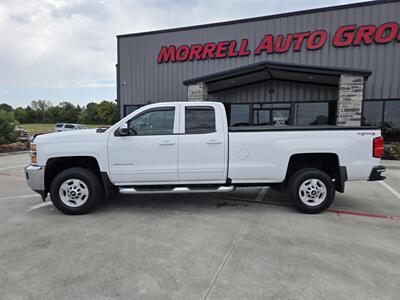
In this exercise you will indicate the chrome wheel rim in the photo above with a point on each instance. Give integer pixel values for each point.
(74, 192)
(312, 192)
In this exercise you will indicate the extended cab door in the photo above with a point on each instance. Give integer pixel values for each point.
(203, 148)
(148, 155)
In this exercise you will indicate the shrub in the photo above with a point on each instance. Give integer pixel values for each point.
(392, 151)
(7, 127)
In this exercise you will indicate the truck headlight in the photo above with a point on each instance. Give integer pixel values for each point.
(33, 153)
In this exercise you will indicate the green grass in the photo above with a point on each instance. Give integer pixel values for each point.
(43, 128)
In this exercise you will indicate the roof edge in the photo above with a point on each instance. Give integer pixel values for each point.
(260, 18)
(323, 70)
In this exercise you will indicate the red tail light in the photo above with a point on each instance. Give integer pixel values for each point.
(378, 147)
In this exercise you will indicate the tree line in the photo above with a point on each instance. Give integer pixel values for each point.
(43, 111)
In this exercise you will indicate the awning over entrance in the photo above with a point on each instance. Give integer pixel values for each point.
(265, 70)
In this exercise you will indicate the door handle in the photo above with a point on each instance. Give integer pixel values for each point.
(214, 142)
(166, 143)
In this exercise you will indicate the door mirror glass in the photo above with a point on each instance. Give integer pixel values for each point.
(123, 130)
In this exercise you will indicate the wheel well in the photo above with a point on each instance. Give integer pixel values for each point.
(327, 162)
(58, 164)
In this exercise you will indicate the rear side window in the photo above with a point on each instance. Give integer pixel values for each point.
(199, 119)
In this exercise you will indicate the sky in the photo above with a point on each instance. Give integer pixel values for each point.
(66, 50)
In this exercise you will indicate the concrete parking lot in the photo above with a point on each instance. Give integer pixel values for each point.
(249, 244)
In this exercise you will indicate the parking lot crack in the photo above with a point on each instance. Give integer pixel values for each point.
(225, 261)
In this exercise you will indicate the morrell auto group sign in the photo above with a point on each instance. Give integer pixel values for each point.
(345, 36)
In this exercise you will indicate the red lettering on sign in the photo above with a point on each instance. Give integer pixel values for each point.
(299, 37)
(182, 53)
(166, 54)
(265, 45)
(195, 51)
(231, 50)
(344, 36)
(278, 44)
(208, 50)
(386, 33)
(317, 39)
(243, 51)
(222, 47)
(364, 33)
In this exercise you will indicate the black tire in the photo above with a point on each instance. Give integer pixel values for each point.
(302, 176)
(92, 183)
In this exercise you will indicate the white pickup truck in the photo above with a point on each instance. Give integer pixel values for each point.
(187, 147)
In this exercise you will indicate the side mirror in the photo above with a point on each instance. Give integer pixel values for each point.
(123, 130)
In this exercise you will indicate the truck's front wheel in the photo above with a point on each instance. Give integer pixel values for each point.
(311, 190)
(75, 191)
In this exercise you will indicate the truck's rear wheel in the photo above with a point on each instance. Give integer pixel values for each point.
(311, 190)
(75, 191)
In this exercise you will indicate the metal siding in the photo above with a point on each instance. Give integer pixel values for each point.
(148, 81)
(259, 92)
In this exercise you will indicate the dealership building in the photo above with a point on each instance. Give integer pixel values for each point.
(337, 65)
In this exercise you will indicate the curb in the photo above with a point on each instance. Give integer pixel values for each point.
(14, 153)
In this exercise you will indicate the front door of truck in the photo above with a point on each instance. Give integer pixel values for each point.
(148, 155)
(202, 144)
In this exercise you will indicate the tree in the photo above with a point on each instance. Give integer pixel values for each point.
(40, 108)
(107, 112)
(7, 127)
(6, 107)
(88, 114)
(42, 105)
(21, 115)
(69, 113)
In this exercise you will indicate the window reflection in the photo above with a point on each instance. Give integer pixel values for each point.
(311, 114)
(240, 115)
(372, 114)
(391, 121)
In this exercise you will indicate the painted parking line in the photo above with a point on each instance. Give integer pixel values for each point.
(21, 196)
(331, 210)
(390, 189)
(262, 193)
(12, 167)
(39, 206)
(11, 175)
(363, 214)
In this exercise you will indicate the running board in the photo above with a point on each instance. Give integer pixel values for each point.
(177, 190)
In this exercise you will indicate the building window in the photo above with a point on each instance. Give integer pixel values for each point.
(199, 120)
(391, 121)
(372, 113)
(280, 117)
(261, 117)
(311, 113)
(240, 115)
(130, 108)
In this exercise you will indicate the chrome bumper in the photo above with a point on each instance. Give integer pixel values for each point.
(34, 176)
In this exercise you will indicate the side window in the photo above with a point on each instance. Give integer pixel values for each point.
(199, 119)
(153, 122)
(69, 126)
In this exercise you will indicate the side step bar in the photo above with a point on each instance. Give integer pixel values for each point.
(177, 190)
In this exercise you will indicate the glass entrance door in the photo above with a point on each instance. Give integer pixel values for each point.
(280, 117)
